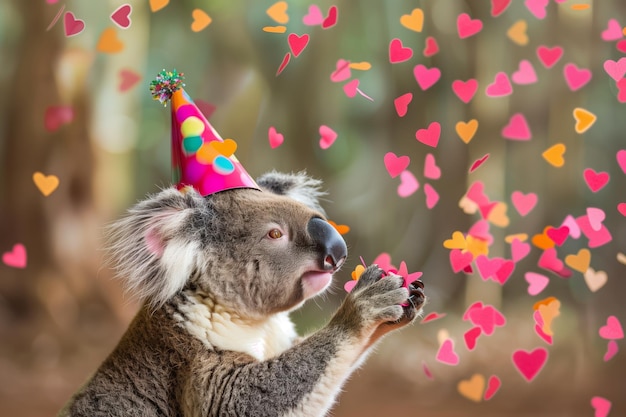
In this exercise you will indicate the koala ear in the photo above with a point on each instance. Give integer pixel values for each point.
(150, 247)
(299, 187)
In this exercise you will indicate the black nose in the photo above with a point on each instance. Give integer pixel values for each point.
(329, 242)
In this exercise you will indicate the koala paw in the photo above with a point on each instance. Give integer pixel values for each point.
(381, 299)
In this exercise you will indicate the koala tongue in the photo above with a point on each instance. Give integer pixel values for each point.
(315, 282)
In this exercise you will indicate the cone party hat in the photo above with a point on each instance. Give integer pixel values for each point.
(200, 157)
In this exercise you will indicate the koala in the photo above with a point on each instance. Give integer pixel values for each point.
(219, 276)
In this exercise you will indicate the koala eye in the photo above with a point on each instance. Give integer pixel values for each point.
(275, 234)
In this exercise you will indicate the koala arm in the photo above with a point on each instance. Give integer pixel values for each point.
(305, 379)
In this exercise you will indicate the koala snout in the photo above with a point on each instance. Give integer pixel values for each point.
(329, 242)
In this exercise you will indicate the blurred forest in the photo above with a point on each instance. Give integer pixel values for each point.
(76, 106)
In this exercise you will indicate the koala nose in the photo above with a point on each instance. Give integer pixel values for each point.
(329, 242)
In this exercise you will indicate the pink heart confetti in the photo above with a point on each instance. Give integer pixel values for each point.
(576, 78)
(596, 238)
(314, 17)
(426, 77)
(408, 184)
(493, 385)
(499, 6)
(57, 116)
(549, 56)
(402, 103)
(621, 207)
(558, 234)
(574, 229)
(476, 193)
(275, 139)
(297, 43)
(16, 258)
(446, 353)
(596, 217)
(524, 203)
(351, 88)
(595, 180)
(525, 73)
(431, 170)
(398, 52)
(429, 136)
(121, 16)
(601, 405)
(466, 26)
(537, 7)
(480, 230)
(471, 337)
(465, 90)
(486, 318)
(128, 79)
(529, 364)
(611, 350)
(396, 164)
(431, 47)
(459, 260)
(519, 250)
(517, 128)
(615, 69)
(539, 329)
(328, 136)
(475, 305)
(536, 282)
(487, 268)
(621, 159)
(549, 261)
(72, 25)
(613, 31)
(500, 87)
(283, 64)
(612, 330)
(477, 163)
(432, 197)
(432, 317)
(504, 272)
(342, 71)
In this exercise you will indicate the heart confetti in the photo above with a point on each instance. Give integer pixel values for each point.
(402, 103)
(612, 330)
(297, 43)
(611, 350)
(72, 25)
(278, 12)
(517, 32)
(537, 7)
(549, 56)
(108, 42)
(465, 90)
(275, 139)
(426, 77)
(595, 280)
(396, 164)
(595, 180)
(156, 5)
(536, 282)
(45, 183)
(493, 385)
(431, 170)
(530, 363)
(328, 137)
(408, 184)
(413, 21)
(517, 128)
(16, 258)
(601, 405)
(554, 155)
(200, 20)
(128, 79)
(576, 78)
(473, 388)
(584, 119)
(447, 355)
(466, 131)
(466, 26)
(500, 87)
(429, 136)
(613, 31)
(398, 52)
(121, 16)
(57, 116)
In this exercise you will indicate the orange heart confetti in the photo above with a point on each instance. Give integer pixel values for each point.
(477, 247)
(517, 32)
(584, 119)
(360, 66)
(200, 20)
(473, 388)
(46, 183)
(549, 312)
(341, 228)
(356, 274)
(579, 6)
(156, 5)
(413, 21)
(278, 12)
(580, 262)
(554, 155)
(275, 29)
(595, 280)
(543, 241)
(109, 42)
(457, 242)
(497, 215)
(466, 131)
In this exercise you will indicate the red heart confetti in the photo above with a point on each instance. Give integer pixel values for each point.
(331, 19)
(500, 87)
(493, 385)
(431, 47)
(121, 16)
(426, 77)
(429, 136)
(398, 52)
(396, 164)
(517, 128)
(595, 180)
(328, 137)
(465, 90)
(297, 43)
(576, 78)
(549, 56)
(283, 64)
(466, 26)
(530, 363)
(128, 79)
(499, 6)
(537, 7)
(402, 103)
(72, 25)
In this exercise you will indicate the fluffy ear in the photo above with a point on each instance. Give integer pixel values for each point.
(299, 187)
(151, 248)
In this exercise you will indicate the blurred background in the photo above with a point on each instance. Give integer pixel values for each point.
(78, 108)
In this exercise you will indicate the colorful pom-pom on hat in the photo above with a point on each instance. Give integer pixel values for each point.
(200, 157)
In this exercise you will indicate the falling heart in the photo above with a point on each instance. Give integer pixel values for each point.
(351, 88)
(500, 87)
(613, 31)
(402, 103)
(398, 52)
(537, 7)
(429, 136)
(128, 79)
(45, 183)
(576, 78)
(611, 350)
(331, 19)
(72, 25)
(278, 12)
(16, 258)
(431, 47)
(413, 21)
(499, 6)
(121, 16)
(284, 63)
(519, 250)
(471, 336)
(200, 20)
(549, 56)
(529, 364)
(408, 184)
(621, 159)
(517, 32)
(297, 43)
(275, 139)
(584, 119)
(595, 180)
(109, 43)
(459, 260)
(314, 17)
(554, 155)
(432, 197)
(525, 74)
(466, 26)
(431, 170)
(426, 77)
(524, 203)
(57, 116)
(477, 163)
(473, 388)
(446, 353)
(466, 131)
(396, 164)
(465, 90)
(328, 136)
(615, 69)
(595, 280)
(493, 385)
(536, 282)
(612, 330)
(342, 71)
(517, 128)
(601, 405)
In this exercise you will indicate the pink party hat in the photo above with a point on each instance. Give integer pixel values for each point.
(200, 157)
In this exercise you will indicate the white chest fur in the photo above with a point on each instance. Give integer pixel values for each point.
(218, 328)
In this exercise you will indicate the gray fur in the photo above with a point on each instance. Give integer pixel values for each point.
(213, 337)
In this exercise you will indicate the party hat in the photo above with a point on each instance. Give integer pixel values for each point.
(200, 157)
